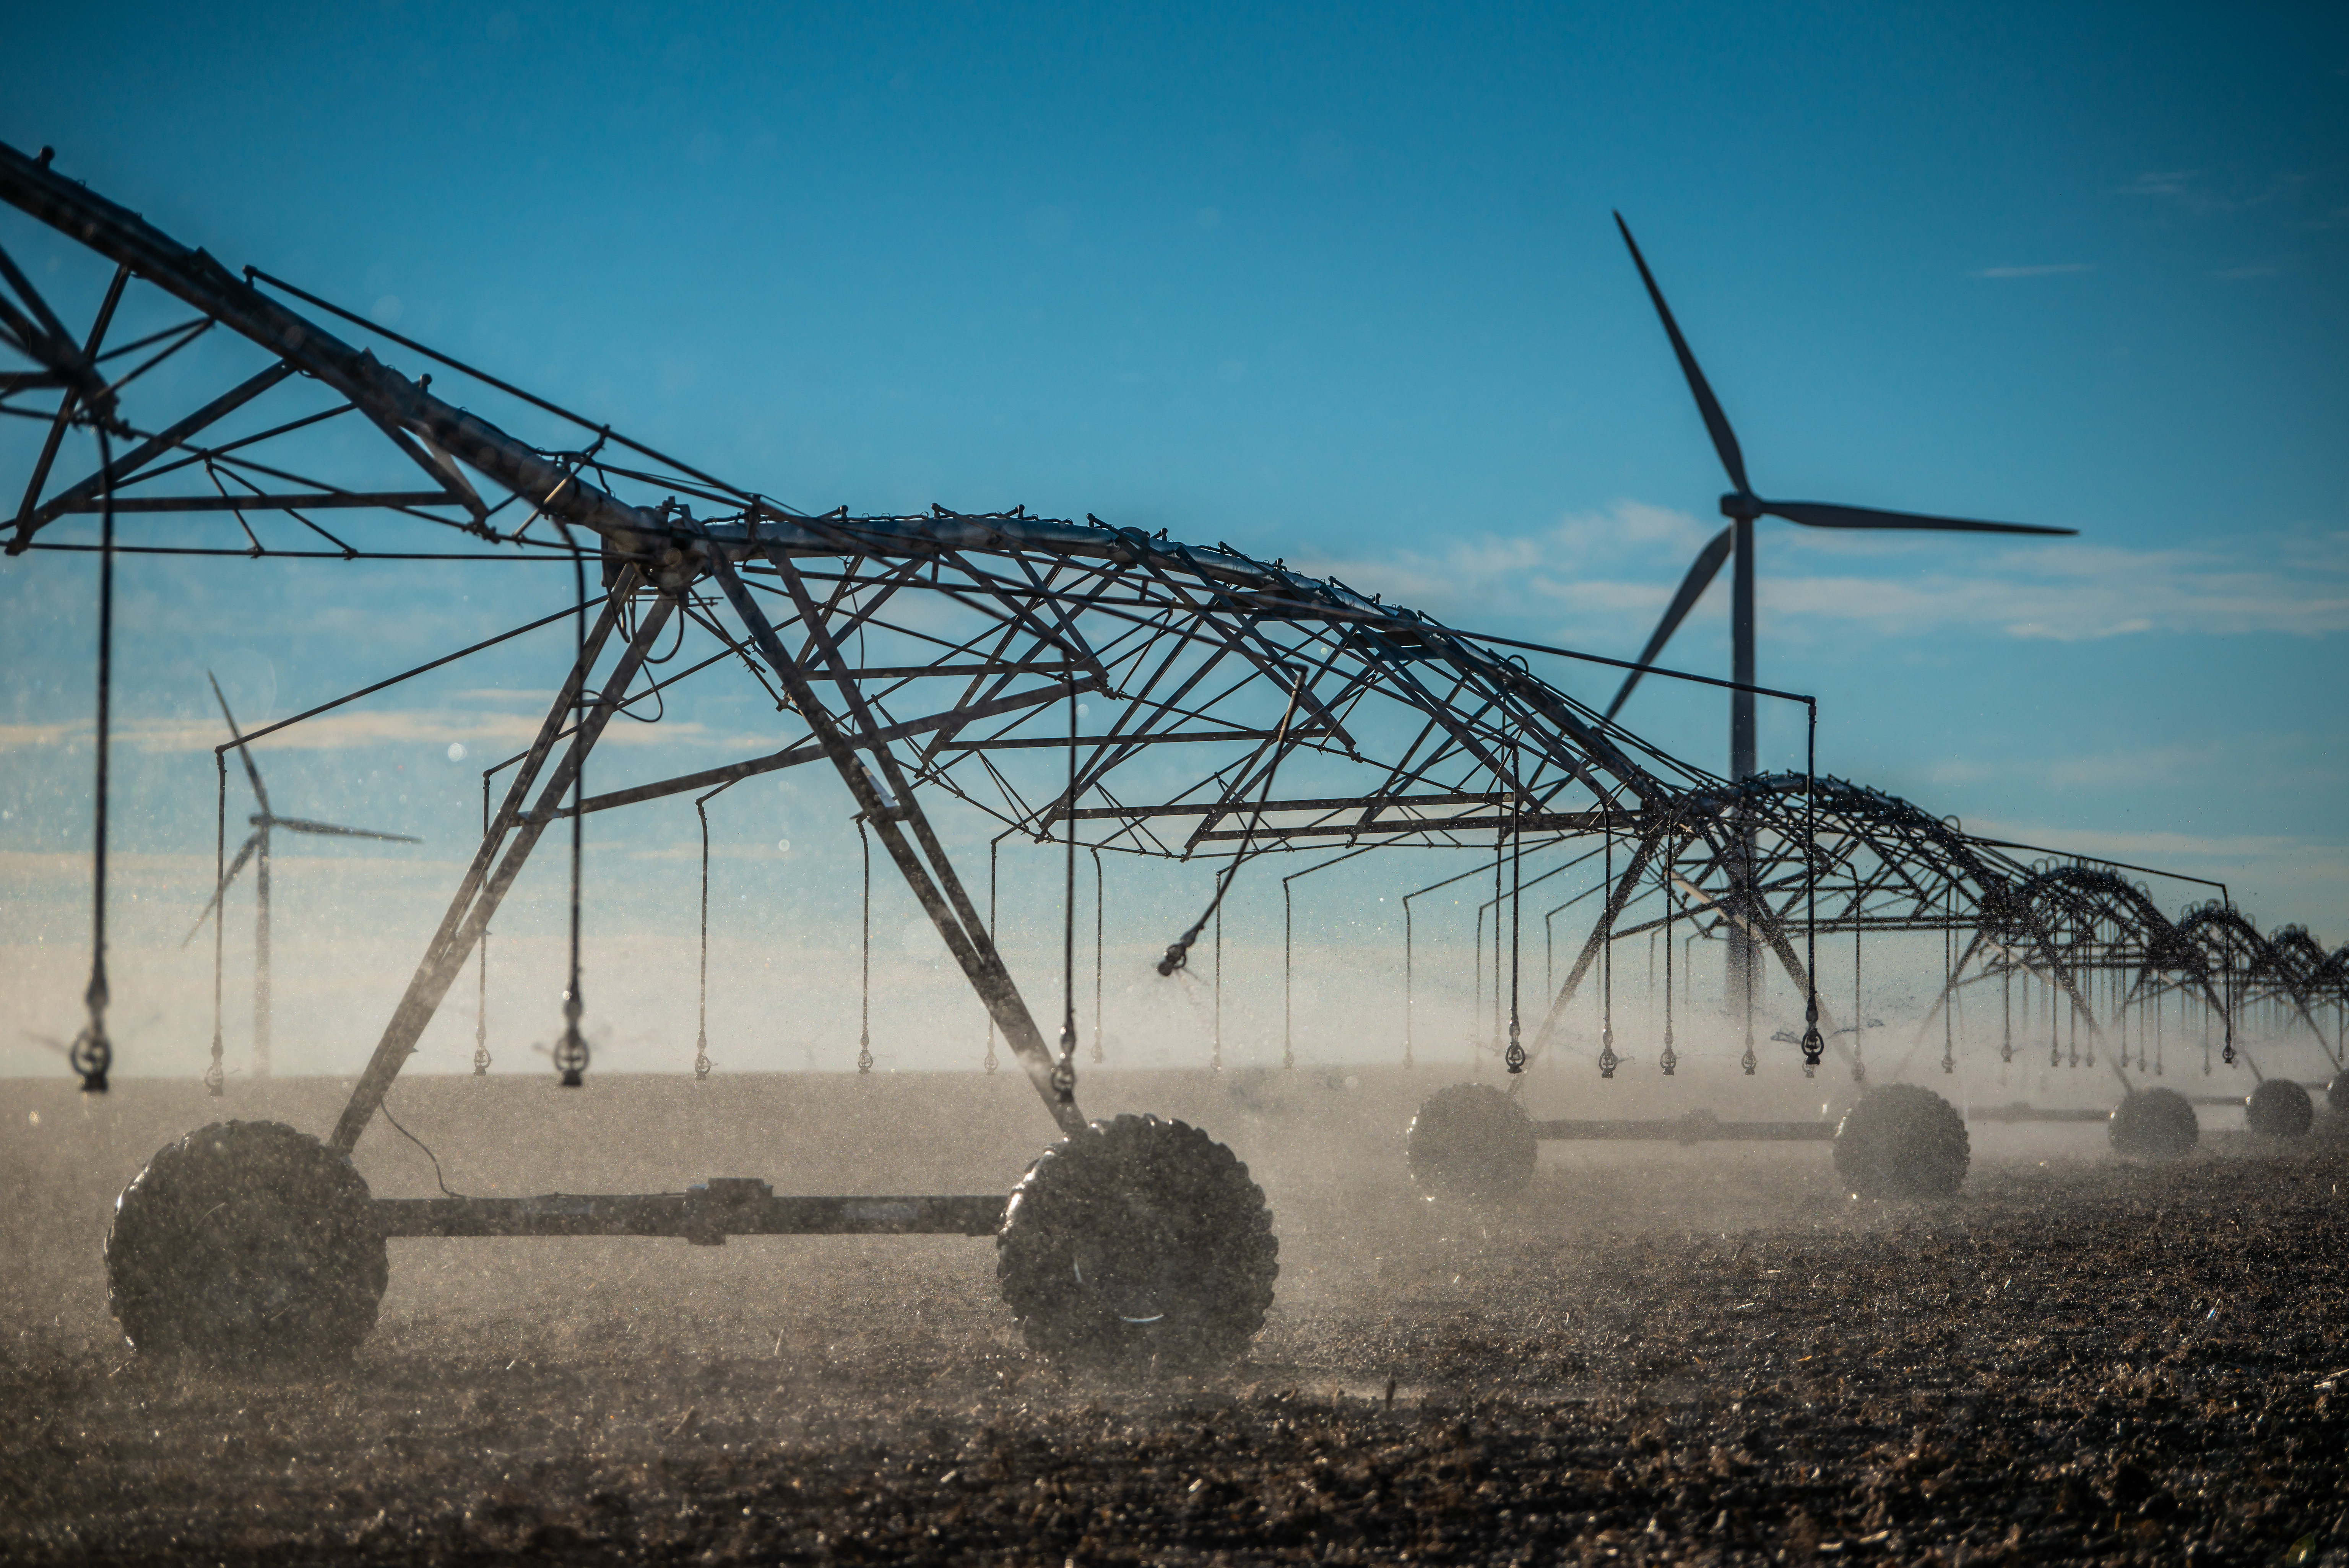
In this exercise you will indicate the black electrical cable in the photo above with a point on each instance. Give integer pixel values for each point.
(419, 1143)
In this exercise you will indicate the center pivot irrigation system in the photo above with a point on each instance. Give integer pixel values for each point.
(1242, 709)
(2067, 956)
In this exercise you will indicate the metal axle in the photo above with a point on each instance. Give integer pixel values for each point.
(1697, 1126)
(704, 1214)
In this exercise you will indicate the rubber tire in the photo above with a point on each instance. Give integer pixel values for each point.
(2280, 1108)
(2154, 1124)
(1471, 1141)
(246, 1244)
(1138, 1243)
(1902, 1140)
(2336, 1095)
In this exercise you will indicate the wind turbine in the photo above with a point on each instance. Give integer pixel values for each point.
(256, 850)
(1743, 507)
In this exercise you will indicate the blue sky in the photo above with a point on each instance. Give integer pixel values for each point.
(1339, 285)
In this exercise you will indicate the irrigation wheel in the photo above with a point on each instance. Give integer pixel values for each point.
(2154, 1124)
(1471, 1141)
(1902, 1140)
(2280, 1108)
(1138, 1243)
(245, 1243)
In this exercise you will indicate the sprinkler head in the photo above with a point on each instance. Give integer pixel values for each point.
(571, 1057)
(91, 1056)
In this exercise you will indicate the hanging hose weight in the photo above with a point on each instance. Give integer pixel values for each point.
(92, 1055)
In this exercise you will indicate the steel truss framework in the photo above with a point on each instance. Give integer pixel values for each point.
(1253, 708)
(1247, 708)
(2086, 949)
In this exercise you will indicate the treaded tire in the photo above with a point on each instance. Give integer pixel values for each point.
(2280, 1108)
(1471, 1141)
(2154, 1124)
(244, 1244)
(1138, 1242)
(1902, 1140)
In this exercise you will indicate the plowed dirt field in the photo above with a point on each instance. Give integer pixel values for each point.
(1659, 1353)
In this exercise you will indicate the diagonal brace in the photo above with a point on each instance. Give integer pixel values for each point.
(477, 901)
(965, 936)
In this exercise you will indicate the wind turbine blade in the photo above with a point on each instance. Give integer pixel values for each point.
(1716, 424)
(1824, 514)
(244, 756)
(221, 892)
(300, 824)
(1700, 577)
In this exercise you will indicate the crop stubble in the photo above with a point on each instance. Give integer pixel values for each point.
(1700, 1355)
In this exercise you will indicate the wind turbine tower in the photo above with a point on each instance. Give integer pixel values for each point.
(1744, 509)
(255, 849)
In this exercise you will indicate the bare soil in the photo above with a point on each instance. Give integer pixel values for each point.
(1659, 1353)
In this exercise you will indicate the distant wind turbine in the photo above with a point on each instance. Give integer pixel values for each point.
(256, 850)
(1742, 506)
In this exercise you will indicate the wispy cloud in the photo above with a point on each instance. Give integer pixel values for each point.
(2072, 592)
(2276, 876)
(2191, 189)
(2171, 183)
(1611, 560)
(2206, 766)
(1607, 576)
(24, 737)
(430, 728)
(2043, 269)
(396, 726)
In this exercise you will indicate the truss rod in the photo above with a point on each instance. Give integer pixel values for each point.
(477, 899)
(957, 921)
